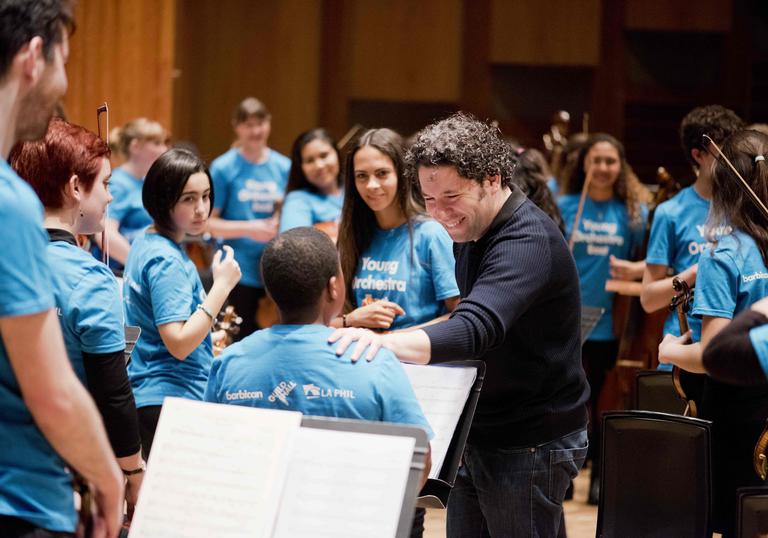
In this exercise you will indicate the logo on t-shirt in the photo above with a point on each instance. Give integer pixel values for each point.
(281, 392)
(379, 268)
(261, 194)
(695, 247)
(243, 395)
(598, 236)
(312, 392)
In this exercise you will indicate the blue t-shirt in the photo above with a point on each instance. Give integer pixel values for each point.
(88, 303)
(604, 230)
(162, 286)
(293, 367)
(34, 484)
(127, 207)
(731, 277)
(305, 208)
(678, 235)
(759, 338)
(247, 191)
(419, 279)
(553, 187)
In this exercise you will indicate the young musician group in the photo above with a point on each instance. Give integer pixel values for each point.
(392, 268)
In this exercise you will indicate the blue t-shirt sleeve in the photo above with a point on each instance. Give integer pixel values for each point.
(442, 264)
(120, 201)
(220, 185)
(717, 286)
(99, 318)
(25, 278)
(296, 212)
(399, 403)
(661, 244)
(759, 338)
(212, 387)
(170, 290)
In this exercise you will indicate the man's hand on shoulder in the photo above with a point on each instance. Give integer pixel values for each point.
(363, 338)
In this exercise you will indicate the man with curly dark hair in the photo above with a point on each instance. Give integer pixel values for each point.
(514, 271)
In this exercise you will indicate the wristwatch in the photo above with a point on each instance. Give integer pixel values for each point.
(142, 467)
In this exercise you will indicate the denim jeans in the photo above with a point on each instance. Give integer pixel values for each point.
(516, 492)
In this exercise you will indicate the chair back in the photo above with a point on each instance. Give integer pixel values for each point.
(656, 476)
(654, 391)
(752, 517)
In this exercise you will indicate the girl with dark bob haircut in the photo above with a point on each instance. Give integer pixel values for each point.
(163, 292)
(314, 194)
(397, 261)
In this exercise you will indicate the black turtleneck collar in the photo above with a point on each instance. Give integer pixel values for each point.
(57, 234)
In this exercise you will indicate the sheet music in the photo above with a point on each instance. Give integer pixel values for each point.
(344, 484)
(442, 392)
(215, 470)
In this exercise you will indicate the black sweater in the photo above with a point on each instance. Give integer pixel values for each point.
(520, 312)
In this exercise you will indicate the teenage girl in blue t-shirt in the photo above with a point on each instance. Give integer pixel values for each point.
(731, 276)
(383, 224)
(314, 194)
(163, 292)
(140, 141)
(69, 170)
(397, 262)
(610, 230)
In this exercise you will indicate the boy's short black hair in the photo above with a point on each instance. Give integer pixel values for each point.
(714, 120)
(21, 20)
(165, 182)
(296, 266)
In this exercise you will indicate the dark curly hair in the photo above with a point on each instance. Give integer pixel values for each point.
(714, 120)
(473, 147)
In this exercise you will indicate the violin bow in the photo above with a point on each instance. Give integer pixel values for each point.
(580, 210)
(755, 198)
(104, 109)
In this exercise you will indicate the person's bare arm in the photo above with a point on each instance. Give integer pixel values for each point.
(626, 270)
(657, 286)
(450, 304)
(62, 408)
(182, 337)
(258, 229)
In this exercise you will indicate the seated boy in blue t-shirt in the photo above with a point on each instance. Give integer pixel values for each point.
(291, 365)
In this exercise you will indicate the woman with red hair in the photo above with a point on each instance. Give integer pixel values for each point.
(69, 170)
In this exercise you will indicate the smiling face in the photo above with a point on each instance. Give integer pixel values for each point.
(190, 214)
(375, 179)
(604, 162)
(320, 164)
(253, 133)
(93, 204)
(463, 206)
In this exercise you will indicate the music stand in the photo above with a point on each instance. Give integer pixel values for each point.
(590, 315)
(384, 428)
(131, 337)
(435, 492)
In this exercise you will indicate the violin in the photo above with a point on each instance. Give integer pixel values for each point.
(681, 304)
(228, 321)
(759, 458)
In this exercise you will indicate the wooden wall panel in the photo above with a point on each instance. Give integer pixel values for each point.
(228, 50)
(677, 16)
(406, 51)
(121, 52)
(546, 32)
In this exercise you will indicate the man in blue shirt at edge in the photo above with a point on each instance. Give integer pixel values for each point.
(47, 413)
(678, 232)
(292, 365)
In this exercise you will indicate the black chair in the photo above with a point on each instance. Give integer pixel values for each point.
(752, 520)
(654, 391)
(656, 476)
